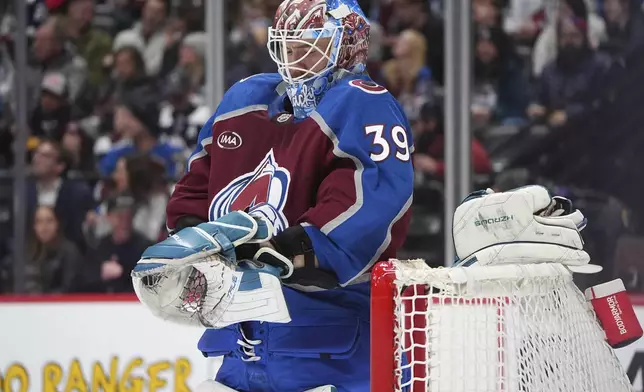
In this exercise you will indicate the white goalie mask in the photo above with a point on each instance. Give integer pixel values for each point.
(310, 41)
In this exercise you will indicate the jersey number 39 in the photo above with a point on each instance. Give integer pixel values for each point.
(384, 149)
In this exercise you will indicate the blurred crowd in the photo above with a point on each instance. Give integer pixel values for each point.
(116, 100)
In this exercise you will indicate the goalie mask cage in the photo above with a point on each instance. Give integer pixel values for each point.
(509, 328)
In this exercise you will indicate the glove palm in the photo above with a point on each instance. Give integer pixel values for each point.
(193, 277)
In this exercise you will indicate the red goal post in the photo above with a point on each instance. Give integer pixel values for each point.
(383, 329)
(510, 328)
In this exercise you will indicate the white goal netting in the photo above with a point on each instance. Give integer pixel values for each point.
(510, 328)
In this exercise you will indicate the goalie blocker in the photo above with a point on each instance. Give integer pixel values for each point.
(522, 226)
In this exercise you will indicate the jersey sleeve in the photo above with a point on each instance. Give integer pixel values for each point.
(367, 192)
(190, 194)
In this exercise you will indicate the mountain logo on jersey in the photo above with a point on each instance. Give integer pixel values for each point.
(263, 191)
(229, 140)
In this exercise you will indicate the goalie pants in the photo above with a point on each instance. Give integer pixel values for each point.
(327, 342)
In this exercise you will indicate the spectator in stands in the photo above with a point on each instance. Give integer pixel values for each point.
(136, 118)
(183, 113)
(70, 199)
(129, 69)
(569, 85)
(406, 75)
(487, 13)
(149, 188)
(545, 48)
(192, 60)
(418, 15)
(524, 18)
(500, 91)
(78, 147)
(248, 37)
(148, 35)
(122, 16)
(89, 42)
(110, 262)
(52, 260)
(127, 75)
(120, 181)
(143, 177)
(96, 224)
(175, 31)
(239, 63)
(50, 118)
(429, 136)
(625, 27)
(51, 55)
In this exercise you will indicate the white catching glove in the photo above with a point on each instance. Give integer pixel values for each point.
(194, 277)
(525, 225)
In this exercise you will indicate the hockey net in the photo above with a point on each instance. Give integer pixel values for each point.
(510, 328)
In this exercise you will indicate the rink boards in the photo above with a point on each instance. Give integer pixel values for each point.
(113, 344)
(90, 344)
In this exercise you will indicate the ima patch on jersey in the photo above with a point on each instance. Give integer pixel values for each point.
(262, 191)
(229, 140)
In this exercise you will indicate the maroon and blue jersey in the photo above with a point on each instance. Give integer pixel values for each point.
(345, 174)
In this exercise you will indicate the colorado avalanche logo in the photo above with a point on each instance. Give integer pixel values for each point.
(263, 191)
